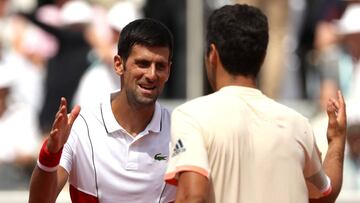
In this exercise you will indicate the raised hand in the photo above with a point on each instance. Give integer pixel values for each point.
(61, 127)
(336, 111)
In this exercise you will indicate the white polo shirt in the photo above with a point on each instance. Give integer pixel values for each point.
(105, 163)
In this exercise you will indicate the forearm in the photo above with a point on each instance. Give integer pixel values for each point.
(192, 188)
(192, 199)
(333, 167)
(48, 177)
(336, 135)
(43, 186)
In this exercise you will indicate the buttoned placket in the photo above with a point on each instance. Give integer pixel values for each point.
(132, 151)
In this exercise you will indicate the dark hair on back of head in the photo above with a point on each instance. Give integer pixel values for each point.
(240, 34)
(147, 32)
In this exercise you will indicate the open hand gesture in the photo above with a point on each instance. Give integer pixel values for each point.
(61, 127)
(336, 111)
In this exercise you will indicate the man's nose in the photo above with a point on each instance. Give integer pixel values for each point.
(151, 72)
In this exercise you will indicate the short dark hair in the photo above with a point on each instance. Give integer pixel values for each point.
(240, 34)
(147, 32)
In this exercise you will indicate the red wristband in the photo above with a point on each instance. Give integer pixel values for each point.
(47, 158)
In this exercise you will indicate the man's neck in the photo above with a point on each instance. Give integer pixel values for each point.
(230, 80)
(132, 118)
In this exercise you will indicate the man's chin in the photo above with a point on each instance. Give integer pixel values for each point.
(146, 101)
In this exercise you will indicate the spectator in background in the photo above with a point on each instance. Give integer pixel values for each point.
(317, 20)
(349, 29)
(325, 69)
(352, 158)
(336, 58)
(19, 136)
(99, 80)
(65, 69)
(29, 49)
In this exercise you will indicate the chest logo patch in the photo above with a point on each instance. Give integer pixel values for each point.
(160, 157)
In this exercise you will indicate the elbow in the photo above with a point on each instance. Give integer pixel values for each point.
(331, 198)
(191, 199)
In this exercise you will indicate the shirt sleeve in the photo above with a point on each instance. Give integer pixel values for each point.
(317, 182)
(68, 152)
(187, 148)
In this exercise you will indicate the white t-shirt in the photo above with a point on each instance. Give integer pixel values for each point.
(18, 132)
(251, 148)
(96, 83)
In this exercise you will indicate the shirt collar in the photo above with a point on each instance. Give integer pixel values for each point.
(241, 90)
(111, 125)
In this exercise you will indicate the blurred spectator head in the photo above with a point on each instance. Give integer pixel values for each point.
(7, 78)
(37, 45)
(349, 29)
(49, 14)
(325, 35)
(76, 12)
(122, 13)
(349, 22)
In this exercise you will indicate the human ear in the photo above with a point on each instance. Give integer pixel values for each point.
(118, 65)
(213, 55)
(169, 71)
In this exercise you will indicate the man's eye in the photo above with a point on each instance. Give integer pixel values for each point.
(143, 64)
(160, 66)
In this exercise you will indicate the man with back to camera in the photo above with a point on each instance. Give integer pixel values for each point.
(237, 145)
(118, 150)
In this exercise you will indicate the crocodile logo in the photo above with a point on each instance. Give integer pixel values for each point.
(160, 157)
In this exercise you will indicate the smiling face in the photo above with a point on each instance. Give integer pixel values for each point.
(144, 73)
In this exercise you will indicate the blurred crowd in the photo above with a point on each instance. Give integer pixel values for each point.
(66, 48)
(332, 63)
(61, 48)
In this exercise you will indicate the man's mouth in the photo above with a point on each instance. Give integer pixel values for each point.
(147, 88)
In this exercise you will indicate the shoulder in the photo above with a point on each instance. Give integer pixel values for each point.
(165, 113)
(87, 115)
(198, 104)
(286, 111)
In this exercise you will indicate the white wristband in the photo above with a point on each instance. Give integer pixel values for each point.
(45, 168)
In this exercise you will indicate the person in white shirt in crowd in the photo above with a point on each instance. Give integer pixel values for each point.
(65, 68)
(27, 55)
(352, 159)
(99, 79)
(349, 30)
(19, 135)
(340, 61)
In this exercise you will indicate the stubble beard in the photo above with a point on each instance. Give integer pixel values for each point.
(136, 99)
